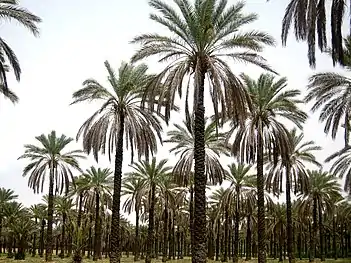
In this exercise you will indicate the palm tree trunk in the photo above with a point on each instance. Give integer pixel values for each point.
(150, 234)
(97, 237)
(289, 227)
(260, 203)
(248, 238)
(41, 245)
(218, 239)
(136, 245)
(165, 247)
(236, 226)
(226, 235)
(200, 180)
(62, 254)
(334, 239)
(80, 208)
(170, 236)
(191, 217)
(34, 250)
(49, 239)
(321, 233)
(115, 254)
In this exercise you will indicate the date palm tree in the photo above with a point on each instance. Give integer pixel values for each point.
(309, 19)
(203, 36)
(50, 157)
(331, 93)
(119, 115)
(10, 10)
(323, 191)
(293, 169)
(151, 175)
(6, 195)
(98, 183)
(264, 131)
(132, 188)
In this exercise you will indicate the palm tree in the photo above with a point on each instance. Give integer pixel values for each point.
(324, 189)
(241, 184)
(38, 213)
(11, 11)
(6, 195)
(332, 94)
(203, 35)
(119, 115)
(132, 187)
(151, 175)
(99, 184)
(309, 19)
(50, 156)
(263, 131)
(294, 171)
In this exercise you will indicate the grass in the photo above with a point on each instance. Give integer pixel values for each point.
(56, 259)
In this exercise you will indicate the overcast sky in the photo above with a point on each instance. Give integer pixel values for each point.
(76, 38)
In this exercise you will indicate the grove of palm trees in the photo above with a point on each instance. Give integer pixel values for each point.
(197, 160)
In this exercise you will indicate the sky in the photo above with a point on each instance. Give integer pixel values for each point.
(76, 37)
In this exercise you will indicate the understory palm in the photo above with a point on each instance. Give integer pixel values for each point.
(201, 37)
(119, 116)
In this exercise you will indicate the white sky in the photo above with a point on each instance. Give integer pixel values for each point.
(76, 38)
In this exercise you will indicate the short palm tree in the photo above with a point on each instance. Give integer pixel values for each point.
(151, 175)
(133, 190)
(6, 195)
(119, 115)
(309, 19)
(50, 156)
(263, 131)
(293, 169)
(11, 11)
(323, 190)
(203, 36)
(98, 183)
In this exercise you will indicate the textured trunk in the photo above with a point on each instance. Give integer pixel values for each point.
(97, 237)
(236, 226)
(199, 241)
(334, 239)
(49, 239)
(311, 244)
(80, 208)
(314, 231)
(218, 239)
(150, 232)
(290, 233)
(41, 245)
(281, 243)
(226, 235)
(321, 233)
(191, 213)
(136, 245)
(34, 250)
(248, 238)
(170, 237)
(115, 249)
(260, 202)
(63, 234)
(165, 236)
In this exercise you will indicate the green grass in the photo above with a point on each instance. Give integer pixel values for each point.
(37, 259)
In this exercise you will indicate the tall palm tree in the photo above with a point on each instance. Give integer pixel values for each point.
(10, 10)
(263, 131)
(202, 37)
(324, 189)
(151, 174)
(49, 156)
(120, 115)
(98, 183)
(294, 171)
(309, 19)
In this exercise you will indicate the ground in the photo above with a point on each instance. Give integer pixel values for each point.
(30, 259)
